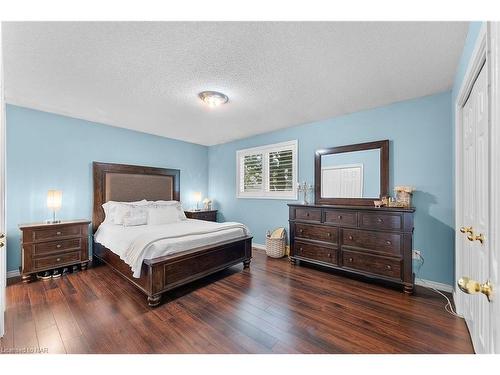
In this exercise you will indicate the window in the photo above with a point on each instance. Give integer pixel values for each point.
(267, 171)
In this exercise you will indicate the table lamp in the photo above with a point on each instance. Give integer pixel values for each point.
(197, 198)
(54, 202)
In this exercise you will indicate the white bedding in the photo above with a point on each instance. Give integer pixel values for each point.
(134, 244)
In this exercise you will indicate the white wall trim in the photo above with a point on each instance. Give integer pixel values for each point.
(434, 284)
(11, 274)
(259, 246)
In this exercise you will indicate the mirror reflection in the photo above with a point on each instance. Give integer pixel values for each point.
(354, 174)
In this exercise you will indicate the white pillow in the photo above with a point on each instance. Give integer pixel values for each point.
(166, 214)
(177, 204)
(136, 215)
(114, 211)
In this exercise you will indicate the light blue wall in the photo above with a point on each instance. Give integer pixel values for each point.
(369, 159)
(47, 151)
(421, 154)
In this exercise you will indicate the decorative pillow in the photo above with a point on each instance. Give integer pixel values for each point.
(177, 204)
(136, 215)
(166, 214)
(114, 211)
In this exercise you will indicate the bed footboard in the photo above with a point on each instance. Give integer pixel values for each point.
(162, 274)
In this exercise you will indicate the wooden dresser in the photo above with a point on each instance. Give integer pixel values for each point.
(362, 240)
(49, 246)
(207, 215)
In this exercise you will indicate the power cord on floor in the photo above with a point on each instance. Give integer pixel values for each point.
(449, 306)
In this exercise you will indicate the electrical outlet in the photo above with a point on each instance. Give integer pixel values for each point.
(416, 254)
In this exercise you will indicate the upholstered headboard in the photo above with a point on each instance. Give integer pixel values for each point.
(128, 183)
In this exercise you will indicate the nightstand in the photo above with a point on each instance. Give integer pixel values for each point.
(207, 215)
(49, 246)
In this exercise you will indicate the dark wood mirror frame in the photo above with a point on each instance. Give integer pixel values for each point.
(384, 173)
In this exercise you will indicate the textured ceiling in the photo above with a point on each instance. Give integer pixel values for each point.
(146, 75)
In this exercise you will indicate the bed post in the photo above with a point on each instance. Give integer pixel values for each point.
(248, 253)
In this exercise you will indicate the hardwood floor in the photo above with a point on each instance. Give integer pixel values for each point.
(273, 307)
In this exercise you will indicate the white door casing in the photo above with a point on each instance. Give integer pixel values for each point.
(494, 238)
(3, 250)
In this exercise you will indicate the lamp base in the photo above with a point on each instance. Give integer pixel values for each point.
(52, 221)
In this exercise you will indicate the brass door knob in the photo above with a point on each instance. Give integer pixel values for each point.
(469, 286)
(466, 230)
(472, 237)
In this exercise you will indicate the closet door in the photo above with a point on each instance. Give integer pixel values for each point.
(476, 210)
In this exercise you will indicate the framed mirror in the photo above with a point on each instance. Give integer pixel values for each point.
(353, 174)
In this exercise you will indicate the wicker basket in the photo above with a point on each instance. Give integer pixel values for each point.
(276, 246)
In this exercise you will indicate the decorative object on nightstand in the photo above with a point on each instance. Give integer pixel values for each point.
(207, 215)
(306, 189)
(46, 247)
(197, 198)
(54, 202)
(207, 204)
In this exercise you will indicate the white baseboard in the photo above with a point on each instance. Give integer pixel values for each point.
(434, 284)
(259, 246)
(14, 273)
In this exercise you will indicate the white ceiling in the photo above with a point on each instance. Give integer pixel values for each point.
(146, 75)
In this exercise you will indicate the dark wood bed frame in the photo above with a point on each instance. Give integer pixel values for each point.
(162, 274)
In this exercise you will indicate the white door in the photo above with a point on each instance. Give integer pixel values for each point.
(3, 250)
(475, 202)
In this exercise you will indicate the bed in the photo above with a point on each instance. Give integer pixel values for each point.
(191, 259)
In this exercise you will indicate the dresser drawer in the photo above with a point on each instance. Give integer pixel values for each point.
(383, 242)
(378, 265)
(56, 260)
(310, 214)
(38, 235)
(45, 248)
(381, 221)
(317, 232)
(315, 252)
(340, 217)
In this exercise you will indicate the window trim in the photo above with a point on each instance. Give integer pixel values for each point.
(265, 150)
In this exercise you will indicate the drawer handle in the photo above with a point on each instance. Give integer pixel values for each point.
(300, 249)
(329, 234)
(379, 220)
(350, 260)
(351, 237)
(58, 233)
(307, 214)
(58, 245)
(301, 230)
(388, 267)
(389, 243)
(339, 217)
(58, 259)
(329, 255)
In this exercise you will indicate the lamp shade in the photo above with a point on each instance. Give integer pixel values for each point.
(197, 196)
(54, 199)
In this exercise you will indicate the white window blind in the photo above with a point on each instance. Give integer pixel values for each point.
(267, 171)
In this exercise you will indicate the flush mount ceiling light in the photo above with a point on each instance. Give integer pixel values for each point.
(213, 98)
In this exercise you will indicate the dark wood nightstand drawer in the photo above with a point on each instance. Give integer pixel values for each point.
(384, 266)
(56, 260)
(382, 242)
(339, 217)
(38, 235)
(317, 232)
(45, 248)
(381, 221)
(315, 252)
